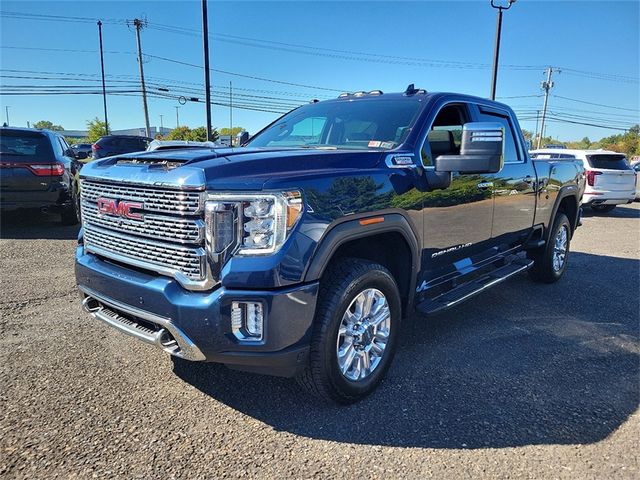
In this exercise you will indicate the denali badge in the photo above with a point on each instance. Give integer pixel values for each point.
(122, 208)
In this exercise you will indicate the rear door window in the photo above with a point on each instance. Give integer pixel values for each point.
(510, 151)
(608, 162)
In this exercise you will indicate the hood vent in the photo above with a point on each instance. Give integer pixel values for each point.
(167, 164)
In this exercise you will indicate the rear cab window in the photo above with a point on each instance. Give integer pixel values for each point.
(608, 161)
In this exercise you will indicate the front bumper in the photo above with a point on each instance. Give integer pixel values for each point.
(197, 325)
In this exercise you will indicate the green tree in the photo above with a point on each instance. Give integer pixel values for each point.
(46, 124)
(97, 128)
(198, 134)
(231, 131)
(179, 133)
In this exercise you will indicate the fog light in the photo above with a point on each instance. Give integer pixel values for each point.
(247, 320)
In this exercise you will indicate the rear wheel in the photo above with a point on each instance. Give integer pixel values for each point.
(602, 208)
(355, 331)
(550, 261)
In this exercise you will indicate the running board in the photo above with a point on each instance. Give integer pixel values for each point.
(471, 289)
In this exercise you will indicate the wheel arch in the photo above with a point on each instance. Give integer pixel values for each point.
(386, 238)
(567, 203)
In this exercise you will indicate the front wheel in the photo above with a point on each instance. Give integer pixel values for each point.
(550, 261)
(355, 331)
(602, 208)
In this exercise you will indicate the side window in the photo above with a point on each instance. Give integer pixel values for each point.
(510, 150)
(445, 134)
(57, 146)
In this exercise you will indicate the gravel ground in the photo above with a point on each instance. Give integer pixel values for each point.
(527, 380)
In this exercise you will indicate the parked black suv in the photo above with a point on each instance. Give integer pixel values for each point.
(118, 144)
(37, 171)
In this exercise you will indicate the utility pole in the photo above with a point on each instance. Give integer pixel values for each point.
(496, 51)
(177, 118)
(161, 126)
(535, 137)
(104, 89)
(6, 109)
(230, 114)
(139, 24)
(546, 86)
(207, 80)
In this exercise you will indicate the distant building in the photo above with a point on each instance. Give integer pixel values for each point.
(129, 131)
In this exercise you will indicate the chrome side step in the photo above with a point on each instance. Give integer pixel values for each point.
(471, 289)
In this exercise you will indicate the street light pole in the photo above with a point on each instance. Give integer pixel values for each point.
(207, 80)
(496, 51)
(6, 109)
(161, 126)
(177, 118)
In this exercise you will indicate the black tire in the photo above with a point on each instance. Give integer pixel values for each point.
(543, 269)
(70, 214)
(339, 287)
(602, 208)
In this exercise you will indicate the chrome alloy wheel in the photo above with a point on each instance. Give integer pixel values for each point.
(363, 334)
(560, 248)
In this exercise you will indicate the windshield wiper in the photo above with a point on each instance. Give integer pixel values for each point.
(319, 147)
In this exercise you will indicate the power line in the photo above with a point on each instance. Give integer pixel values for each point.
(597, 104)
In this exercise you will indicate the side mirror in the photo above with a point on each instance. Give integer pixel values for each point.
(481, 151)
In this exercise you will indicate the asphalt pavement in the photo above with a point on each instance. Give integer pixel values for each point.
(523, 381)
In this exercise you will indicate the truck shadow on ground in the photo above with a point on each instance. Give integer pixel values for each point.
(522, 364)
(33, 225)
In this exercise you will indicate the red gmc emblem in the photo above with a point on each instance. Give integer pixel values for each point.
(122, 208)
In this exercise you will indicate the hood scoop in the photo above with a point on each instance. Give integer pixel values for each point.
(164, 163)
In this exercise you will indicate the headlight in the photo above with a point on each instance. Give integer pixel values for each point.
(250, 224)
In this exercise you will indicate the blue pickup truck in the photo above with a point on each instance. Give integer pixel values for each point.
(300, 253)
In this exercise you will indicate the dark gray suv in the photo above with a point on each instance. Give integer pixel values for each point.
(118, 144)
(37, 171)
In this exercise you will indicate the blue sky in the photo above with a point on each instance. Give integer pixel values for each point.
(440, 46)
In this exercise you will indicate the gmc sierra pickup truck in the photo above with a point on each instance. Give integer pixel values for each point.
(300, 253)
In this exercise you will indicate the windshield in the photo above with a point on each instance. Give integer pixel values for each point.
(367, 124)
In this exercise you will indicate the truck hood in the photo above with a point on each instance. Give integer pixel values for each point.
(225, 168)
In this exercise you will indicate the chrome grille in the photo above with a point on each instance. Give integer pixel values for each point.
(162, 257)
(168, 238)
(170, 228)
(154, 199)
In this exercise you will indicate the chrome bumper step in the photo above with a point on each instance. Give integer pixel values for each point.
(145, 326)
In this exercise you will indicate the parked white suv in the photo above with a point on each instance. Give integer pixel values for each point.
(610, 179)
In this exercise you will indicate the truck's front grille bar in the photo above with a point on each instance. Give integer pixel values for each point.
(166, 258)
(170, 228)
(177, 202)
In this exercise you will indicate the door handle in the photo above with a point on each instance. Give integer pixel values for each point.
(485, 185)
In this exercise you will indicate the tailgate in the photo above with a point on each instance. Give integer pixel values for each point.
(27, 162)
(616, 180)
